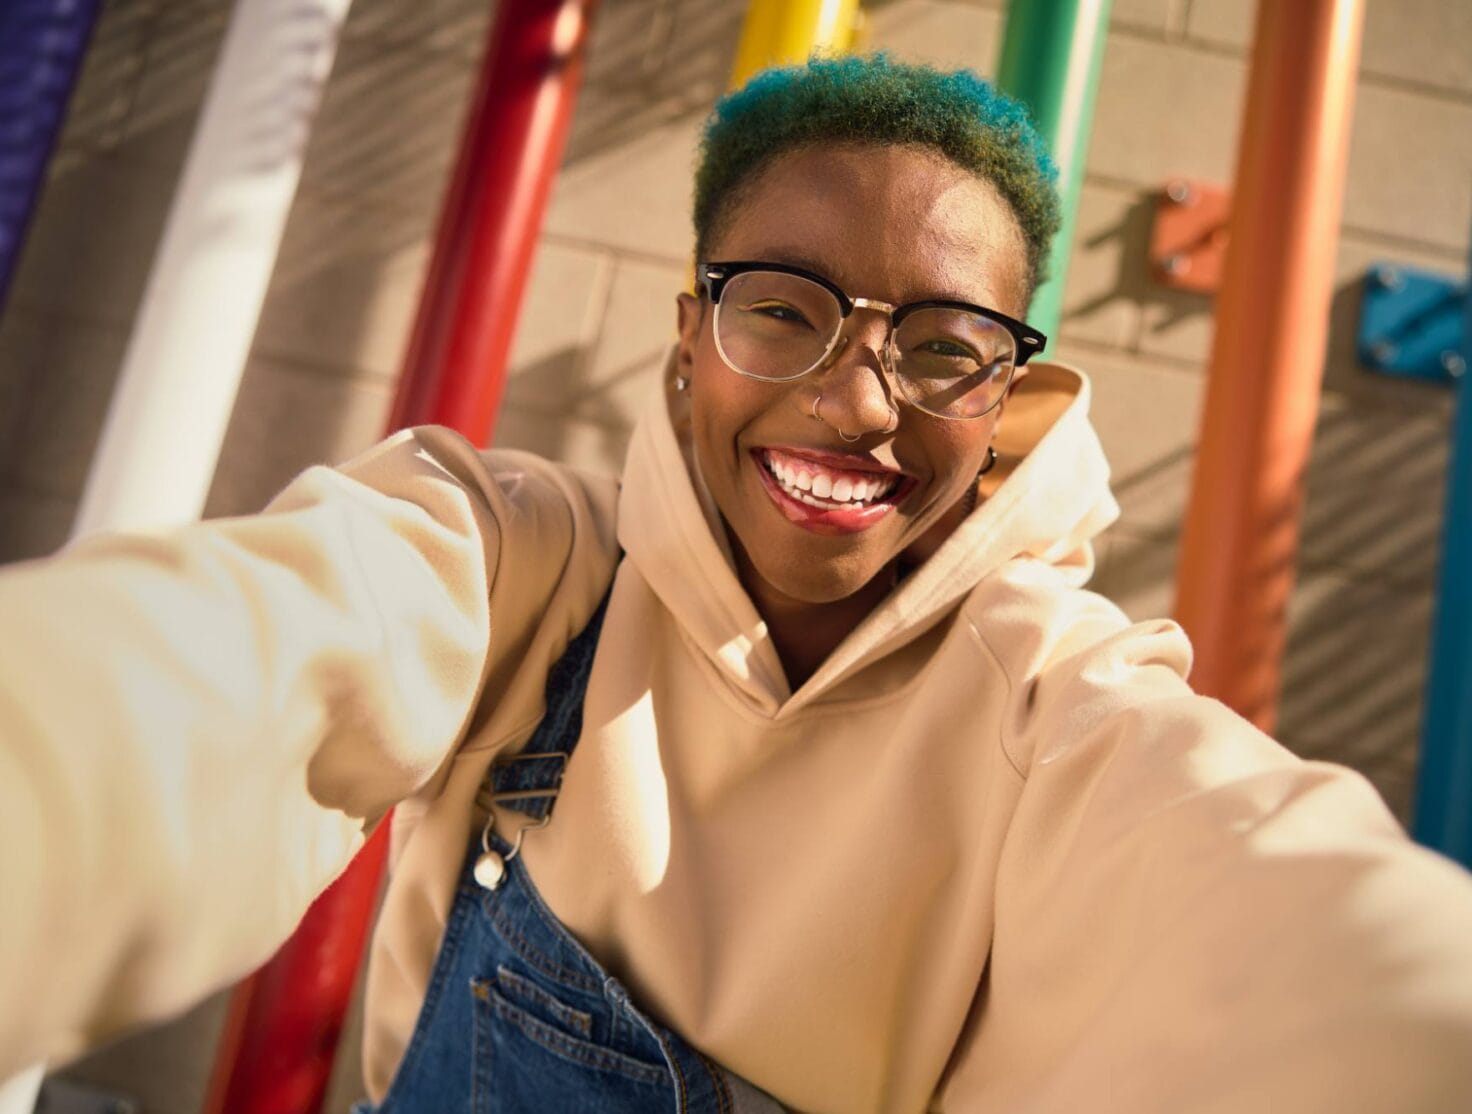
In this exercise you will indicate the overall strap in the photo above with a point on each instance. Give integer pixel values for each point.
(529, 780)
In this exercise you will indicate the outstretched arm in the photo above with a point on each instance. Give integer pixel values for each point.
(1191, 918)
(197, 728)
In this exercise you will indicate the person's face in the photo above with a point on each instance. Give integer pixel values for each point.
(897, 224)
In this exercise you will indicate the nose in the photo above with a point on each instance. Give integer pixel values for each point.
(858, 397)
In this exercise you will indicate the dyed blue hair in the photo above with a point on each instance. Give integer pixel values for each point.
(874, 99)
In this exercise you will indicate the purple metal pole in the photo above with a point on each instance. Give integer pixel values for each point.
(41, 48)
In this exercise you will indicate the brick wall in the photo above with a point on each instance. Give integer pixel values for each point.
(615, 248)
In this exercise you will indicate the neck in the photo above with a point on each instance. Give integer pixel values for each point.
(805, 633)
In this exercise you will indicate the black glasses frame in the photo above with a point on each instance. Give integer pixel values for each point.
(713, 277)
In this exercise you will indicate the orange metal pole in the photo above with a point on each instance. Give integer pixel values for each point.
(1241, 533)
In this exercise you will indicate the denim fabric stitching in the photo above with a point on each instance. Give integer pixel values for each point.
(514, 986)
(480, 1051)
(524, 948)
(439, 976)
(561, 1044)
(679, 1073)
(723, 1093)
(548, 918)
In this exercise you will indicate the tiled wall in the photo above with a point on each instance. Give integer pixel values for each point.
(615, 249)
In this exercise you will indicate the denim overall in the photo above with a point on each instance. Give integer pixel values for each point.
(518, 1016)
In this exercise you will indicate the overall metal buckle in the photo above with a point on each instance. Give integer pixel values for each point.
(490, 864)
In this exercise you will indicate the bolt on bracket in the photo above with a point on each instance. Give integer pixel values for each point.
(1413, 324)
(1188, 241)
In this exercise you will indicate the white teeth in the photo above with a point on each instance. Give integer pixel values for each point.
(822, 490)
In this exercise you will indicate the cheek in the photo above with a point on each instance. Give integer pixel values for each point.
(723, 404)
(957, 451)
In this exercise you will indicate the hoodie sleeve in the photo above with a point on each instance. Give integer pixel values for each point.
(1190, 918)
(197, 728)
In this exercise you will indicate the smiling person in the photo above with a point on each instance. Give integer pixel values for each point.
(797, 770)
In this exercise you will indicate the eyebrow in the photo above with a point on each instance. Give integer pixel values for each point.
(807, 263)
(796, 259)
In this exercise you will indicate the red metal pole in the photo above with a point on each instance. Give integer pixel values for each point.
(282, 1031)
(285, 1021)
(1240, 541)
(455, 371)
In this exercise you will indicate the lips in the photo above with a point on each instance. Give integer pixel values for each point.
(829, 493)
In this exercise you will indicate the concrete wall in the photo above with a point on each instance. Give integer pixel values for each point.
(615, 249)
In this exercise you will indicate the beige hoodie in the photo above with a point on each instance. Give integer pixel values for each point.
(993, 855)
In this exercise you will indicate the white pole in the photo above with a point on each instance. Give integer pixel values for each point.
(18, 1094)
(184, 360)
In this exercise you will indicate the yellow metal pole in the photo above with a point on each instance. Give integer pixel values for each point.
(784, 32)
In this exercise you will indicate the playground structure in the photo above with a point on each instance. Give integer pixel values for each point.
(468, 313)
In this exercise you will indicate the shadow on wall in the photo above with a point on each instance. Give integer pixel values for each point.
(1163, 309)
(548, 433)
(343, 295)
(651, 62)
(1359, 622)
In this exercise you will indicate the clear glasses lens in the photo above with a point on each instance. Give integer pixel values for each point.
(949, 362)
(953, 362)
(776, 326)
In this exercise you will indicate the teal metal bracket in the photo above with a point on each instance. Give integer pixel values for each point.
(1412, 324)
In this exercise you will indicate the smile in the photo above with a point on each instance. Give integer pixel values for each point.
(828, 495)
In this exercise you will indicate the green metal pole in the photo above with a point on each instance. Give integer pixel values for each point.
(1052, 51)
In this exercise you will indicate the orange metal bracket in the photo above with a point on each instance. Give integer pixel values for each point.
(1188, 242)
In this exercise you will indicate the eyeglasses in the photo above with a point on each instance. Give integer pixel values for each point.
(777, 323)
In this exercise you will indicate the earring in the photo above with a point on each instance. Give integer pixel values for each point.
(682, 383)
(971, 492)
(816, 403)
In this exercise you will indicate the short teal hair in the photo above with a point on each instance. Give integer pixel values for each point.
(874, 99)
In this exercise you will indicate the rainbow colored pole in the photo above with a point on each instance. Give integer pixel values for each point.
(784, 32)
(42, 43)
(1052, 52)
(1240, 540)
(1443, 812)
(282, 1031)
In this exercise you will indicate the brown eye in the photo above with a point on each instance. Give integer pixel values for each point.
(777, 311)
(948, 349)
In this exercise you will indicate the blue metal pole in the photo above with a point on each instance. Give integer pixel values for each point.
(1443, 812)
(41, 48)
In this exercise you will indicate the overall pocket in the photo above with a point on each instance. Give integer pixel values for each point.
(535, 1051)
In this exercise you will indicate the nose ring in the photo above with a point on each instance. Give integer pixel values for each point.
(894, 420)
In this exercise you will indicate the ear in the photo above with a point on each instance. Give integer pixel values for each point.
(1018, 375)
(689, 313)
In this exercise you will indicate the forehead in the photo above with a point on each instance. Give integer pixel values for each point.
(898, 223)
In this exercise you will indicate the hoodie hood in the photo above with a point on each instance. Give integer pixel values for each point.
(1052, 500)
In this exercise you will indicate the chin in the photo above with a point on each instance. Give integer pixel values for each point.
(819, 582)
